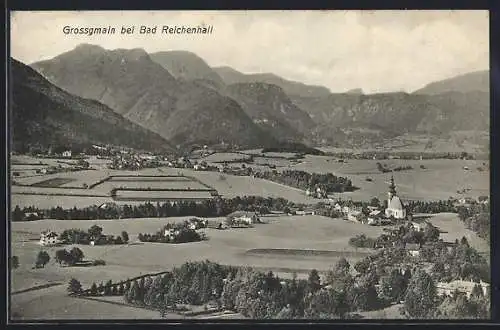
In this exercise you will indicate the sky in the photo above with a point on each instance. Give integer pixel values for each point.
(377, 51)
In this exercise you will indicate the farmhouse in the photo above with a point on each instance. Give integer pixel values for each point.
(461, 286)
(242, 217)
(48, 238)
(32, 216)
(354, 215)
(302, 212)
(395, 207)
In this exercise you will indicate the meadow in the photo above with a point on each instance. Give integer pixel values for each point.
(158, 195)
(221, 157)
(440, 179)
(284, 244)
(230, 246)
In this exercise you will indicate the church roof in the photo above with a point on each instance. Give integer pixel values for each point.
(395, 203)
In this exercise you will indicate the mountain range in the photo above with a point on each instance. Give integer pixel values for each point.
(43, 114)
(180, 98)
(130, 82)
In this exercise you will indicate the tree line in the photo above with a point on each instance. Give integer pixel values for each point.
(93, 234)
(180, 233)
(263, 295)
(304, 180)
(207, 208)
(477, 219)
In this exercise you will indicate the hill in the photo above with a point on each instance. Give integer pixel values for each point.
(188, 66)
(43, 115)
(271, 108)
(291, 88)
(478, 81)
(132, 84)
(356, 91)
(392, 114)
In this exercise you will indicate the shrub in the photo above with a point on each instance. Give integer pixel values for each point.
(98, 262)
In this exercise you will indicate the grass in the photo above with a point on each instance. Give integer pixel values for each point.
(221, 157)
(45, 202)
(158, 195)
(452, 228)
(439, 180)
(52, 183)
(304, 253)
(284, 245)
(226, 247)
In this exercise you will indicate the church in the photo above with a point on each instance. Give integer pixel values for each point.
(395, 207)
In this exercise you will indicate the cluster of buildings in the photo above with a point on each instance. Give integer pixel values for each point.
(396, 210)
(173, 230)
(317, 192)
(462, 286)
(130, 161)
(242, 219)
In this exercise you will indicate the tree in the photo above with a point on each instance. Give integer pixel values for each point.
(393, 286)
(125, 237)
(14, 262)
(313, 282)
(76, 255)
(363, 266)
(420, 298)
(108, 288)
(42, 259)
(17, 214)
(95, 231)
(431, 233)
(342, 266)
(375, 202)
(464, 241)
(477, 291)
(100, 288)
(74, 286)
(93, 289)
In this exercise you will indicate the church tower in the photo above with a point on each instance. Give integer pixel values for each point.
(392, 189)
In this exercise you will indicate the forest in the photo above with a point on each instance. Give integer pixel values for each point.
(304, 180)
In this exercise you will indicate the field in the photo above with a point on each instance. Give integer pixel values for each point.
(440, 178)
(452, 228)
(230, 157)
(284, 244)
(300, 234)
(158, 195)
(226, 247)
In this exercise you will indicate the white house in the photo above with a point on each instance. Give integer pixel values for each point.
(461, 286)
(354, 215)
(243, 217)
(48, 238)
(373, 217)
(305, 212)
(67, 153)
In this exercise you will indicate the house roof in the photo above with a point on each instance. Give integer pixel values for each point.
(49, 234)
(395, 203)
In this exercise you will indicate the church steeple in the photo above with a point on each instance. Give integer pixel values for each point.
(392, 187)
